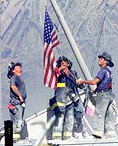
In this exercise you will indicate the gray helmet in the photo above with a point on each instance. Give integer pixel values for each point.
(107, 57)
(11, 67)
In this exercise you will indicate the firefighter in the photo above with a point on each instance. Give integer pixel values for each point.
(104, 117)
(67, 107)
(17, 98)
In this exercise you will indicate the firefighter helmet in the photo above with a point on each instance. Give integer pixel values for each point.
(11, 67)
(107, 57)
(63, 58)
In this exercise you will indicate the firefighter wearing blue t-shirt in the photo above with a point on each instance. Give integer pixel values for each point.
(65, 103)
(104, 117)
(17, 98)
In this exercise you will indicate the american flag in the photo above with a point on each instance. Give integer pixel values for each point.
(50, 41)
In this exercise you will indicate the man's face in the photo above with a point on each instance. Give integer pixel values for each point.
(64, 64)
(17, 69)
(102, 61)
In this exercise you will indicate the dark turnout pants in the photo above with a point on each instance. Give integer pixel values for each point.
(68, 123)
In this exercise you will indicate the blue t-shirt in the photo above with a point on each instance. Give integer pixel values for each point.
(105, 77)
(19, 83)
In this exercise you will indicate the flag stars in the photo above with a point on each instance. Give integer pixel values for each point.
(48, 27)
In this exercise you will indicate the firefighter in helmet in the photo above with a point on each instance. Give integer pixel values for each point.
(17, 96)
(105, 115)
(66, 104)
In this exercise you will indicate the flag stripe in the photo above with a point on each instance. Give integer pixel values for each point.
(51, 78)
(54, 39)
(54, 32)
(48, 63)
(45, 52)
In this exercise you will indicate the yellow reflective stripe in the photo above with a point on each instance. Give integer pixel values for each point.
(110, 132)
(98, 133)
(57, 134)
(16, 136)
(57, 104)
(67, 133)
(61, 84)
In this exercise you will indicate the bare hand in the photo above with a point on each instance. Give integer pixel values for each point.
(80, 81)
(21, 98)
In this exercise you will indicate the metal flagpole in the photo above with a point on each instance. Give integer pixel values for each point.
(73, 44)
(0, 81)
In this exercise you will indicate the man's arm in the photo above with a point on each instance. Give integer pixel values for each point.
(89, 82)
(15, 89)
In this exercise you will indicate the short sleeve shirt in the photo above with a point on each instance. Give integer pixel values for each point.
(19, 83)
(105, 78)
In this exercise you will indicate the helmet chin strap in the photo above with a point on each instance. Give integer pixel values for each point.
(107, 63)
